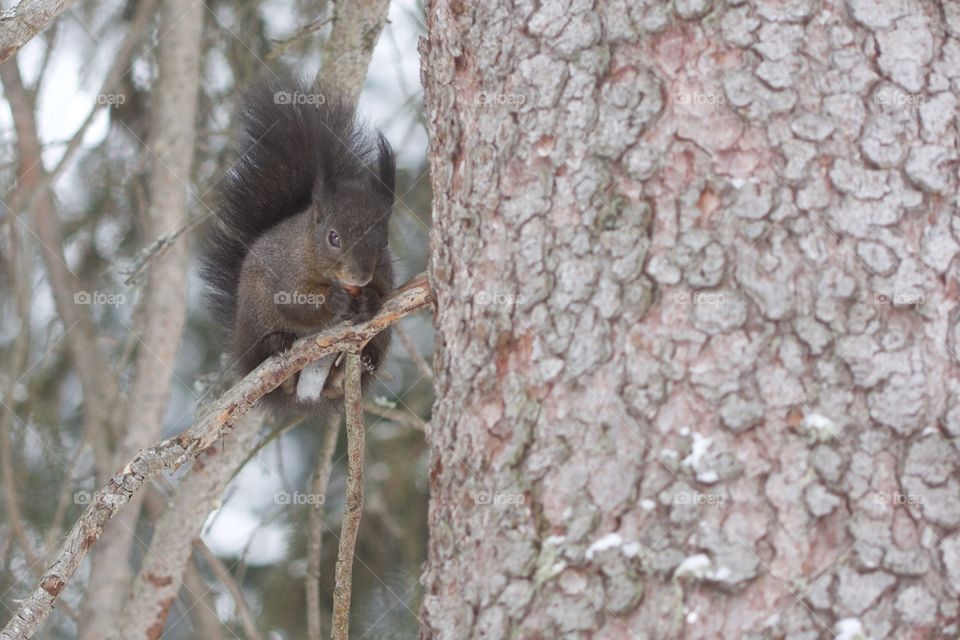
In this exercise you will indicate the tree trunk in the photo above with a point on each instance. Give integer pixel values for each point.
(170, 147)
(696, 289)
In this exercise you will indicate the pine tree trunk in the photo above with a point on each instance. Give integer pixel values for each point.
(694, 266)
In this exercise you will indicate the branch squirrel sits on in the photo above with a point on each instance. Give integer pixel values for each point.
(299, 243)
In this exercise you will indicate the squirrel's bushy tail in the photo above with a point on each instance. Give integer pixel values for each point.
(291, 137)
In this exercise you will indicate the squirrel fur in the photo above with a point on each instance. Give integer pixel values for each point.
(299, 244)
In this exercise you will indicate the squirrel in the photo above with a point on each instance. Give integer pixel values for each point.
(299, 242)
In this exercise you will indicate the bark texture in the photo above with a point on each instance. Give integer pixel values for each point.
(695, 271)
(19, 24)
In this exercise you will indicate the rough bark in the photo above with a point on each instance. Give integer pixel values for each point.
(19, 24)
(695, 271)
(170, 147)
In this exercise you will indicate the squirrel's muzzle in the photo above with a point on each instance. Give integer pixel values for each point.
(355, 279)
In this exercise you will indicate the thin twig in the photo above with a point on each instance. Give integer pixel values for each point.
(222, 574)
(206, 624)
(415, 354)
(283, 45)
(353, 508)
(172, 453)
(318, 489)
(400, 416)
(156, 249)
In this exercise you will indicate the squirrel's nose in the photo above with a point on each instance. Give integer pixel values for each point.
(356, 279)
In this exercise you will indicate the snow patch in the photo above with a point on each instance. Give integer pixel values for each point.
(701, 444)
(849, 629)
(821, 426)
(609, 541)
(696, 565)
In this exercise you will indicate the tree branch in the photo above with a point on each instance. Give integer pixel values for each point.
(21, 23)
(353, 508)
(347, 52)
(172, 453)
(152, 593)
(222, 573)
(318, 487)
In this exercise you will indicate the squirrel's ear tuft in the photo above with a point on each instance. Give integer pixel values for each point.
(387, 166)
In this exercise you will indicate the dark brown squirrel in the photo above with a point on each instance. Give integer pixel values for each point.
(300, 239)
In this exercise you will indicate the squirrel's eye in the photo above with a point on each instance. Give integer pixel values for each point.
(334, 239)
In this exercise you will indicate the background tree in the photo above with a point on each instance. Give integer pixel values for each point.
(697, 301)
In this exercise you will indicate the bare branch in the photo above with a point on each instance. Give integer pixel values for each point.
(353, 508)
(283, 45)
(400, 416)
(347, 52)
(157, 248)
(222, 573)
(318, 487)
(174, 452)
(206, 624)
(155, 588)
(415, 354)
(21, 23)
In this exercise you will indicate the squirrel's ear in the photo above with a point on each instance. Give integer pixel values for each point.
(387, 166)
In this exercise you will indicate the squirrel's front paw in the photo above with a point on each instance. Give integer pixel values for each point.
(366, 305)
(337, 302)
(278, 341)
(370, 358)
